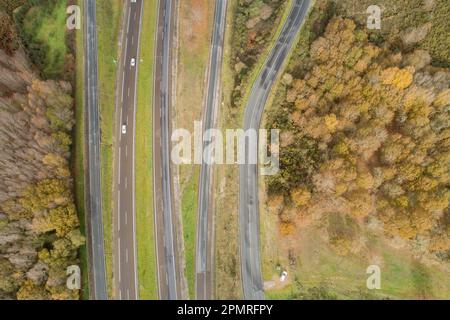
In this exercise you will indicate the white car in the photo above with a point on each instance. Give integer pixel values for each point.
(133, 1)
(133, 62)
(283, 276)
(124, 129)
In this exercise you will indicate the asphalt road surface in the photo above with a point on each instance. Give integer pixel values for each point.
(248, 176)
(125, 258)
(169, 272)
(205, 227)
(97, 274)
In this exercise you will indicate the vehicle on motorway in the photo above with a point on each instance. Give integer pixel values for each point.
(133, 62)
(283, 276)
(124, 129)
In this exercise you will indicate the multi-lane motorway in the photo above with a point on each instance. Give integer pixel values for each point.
(248, 173)
(169, 269)
(125, 269)
(205, 227)
(93, 193)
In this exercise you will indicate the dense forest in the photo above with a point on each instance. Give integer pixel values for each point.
(365, 140)
(39, 226)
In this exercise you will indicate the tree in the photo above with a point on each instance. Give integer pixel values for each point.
(39, 227)
(30, 291)
(301, 196)
(63, 219)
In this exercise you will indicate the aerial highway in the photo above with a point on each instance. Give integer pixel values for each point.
(252, 281)
(124, 233)
(97, 274)
(205, 227)
(168, 268)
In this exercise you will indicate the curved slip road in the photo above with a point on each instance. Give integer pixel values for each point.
(248, 173)
(97, 274)
(205, 227)
(169, 272)
(125, 259)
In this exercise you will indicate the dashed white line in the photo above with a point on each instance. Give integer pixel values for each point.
(119, 263)
(119, 165)
(118, 208)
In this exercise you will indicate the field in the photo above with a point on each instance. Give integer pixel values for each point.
(42, 27)
(320, 273)
(108, 24)
(144, 179)
(195, 18)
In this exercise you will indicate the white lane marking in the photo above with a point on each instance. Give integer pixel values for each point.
(120, 156)
(120, 275)
(132, 40)
(126, 255)
(128, 24)
(128, 294)
(128, 92)
(123, 84)
(126, 183)
(118, 210)
(126, 218)
(126, 151)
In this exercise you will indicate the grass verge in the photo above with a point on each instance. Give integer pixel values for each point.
(79, 145)
(146, 254)
(108, 26)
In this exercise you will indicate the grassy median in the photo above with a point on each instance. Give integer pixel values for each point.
(146, 255)
(189, 207)
(195, 26)
(108, 25)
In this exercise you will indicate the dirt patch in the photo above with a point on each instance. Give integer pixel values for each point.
(194, 17)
